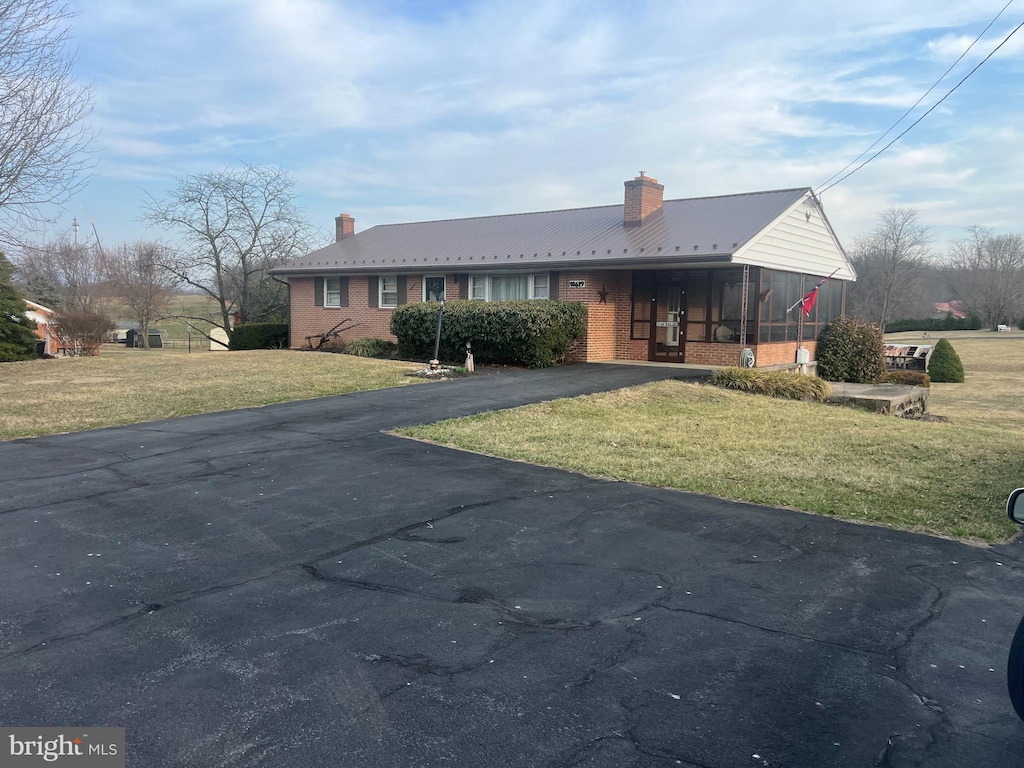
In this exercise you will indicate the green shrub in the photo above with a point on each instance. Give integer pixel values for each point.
(908, 378)
(369, 347)
(947, 323)
(259, 336)
(536, 333)
(791, 386)
(851, 350)
(944, 365)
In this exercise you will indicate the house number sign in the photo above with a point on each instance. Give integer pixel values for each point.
(577, 283)
(667, 324)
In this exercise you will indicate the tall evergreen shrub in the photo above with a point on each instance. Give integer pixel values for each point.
(17, 333)
(851, 350)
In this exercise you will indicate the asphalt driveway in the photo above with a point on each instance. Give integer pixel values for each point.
(291, 586)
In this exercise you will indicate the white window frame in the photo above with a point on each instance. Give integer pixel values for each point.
(328, 291)
(444, 285)
(531, 284)
(380, 291)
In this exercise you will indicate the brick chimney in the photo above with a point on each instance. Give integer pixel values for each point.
(344, 226)
(644, 196)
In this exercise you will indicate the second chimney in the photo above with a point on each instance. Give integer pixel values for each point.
(644, 196)
(344, 226)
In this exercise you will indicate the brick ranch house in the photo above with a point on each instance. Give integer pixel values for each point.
(695, 281)
(46, 327)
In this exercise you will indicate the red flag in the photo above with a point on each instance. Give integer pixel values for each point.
(807, 302)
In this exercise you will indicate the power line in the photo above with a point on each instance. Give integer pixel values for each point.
(930, 110)
(923, 96)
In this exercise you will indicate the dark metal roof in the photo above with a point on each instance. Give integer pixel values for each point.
(703, 229)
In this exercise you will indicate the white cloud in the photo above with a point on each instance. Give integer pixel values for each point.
(491, 107)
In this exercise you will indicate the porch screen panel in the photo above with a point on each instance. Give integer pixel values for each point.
(779, 291)
(698, 294)
(826, 309)
(727, 305)
(643, 296)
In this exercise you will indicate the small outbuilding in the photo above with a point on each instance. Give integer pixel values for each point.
(133, 338)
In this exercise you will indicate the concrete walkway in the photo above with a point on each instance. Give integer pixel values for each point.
(290, 586)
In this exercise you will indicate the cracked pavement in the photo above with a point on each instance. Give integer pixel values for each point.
(291, 585)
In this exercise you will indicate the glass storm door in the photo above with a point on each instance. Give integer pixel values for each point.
(666, 342)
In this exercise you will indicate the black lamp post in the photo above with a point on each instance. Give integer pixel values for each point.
(435, 364)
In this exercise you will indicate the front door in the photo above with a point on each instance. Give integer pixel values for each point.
(667, 321)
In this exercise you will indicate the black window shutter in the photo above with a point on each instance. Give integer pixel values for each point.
(318, 290)
(344, 291)
(401, 290)
(373, 297)
(463, 283)
(553, 285)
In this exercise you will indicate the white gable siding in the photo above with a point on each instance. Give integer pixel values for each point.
(796, 243)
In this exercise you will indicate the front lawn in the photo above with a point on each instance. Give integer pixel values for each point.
(950, 478)
(127, 386)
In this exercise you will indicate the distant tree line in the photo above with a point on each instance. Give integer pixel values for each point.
(899, 276)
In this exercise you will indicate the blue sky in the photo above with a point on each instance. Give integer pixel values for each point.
(403, 111)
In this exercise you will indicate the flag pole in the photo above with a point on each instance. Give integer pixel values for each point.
(801, 301)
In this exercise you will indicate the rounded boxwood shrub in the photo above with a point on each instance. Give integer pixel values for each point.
(259, 336)
(535, 333)
(851, 350)
(944, 365)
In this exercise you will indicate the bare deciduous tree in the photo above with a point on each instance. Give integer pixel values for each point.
(986, 272)
(73, 268)
(82, 332)
(43, 138)
(134, 274)
(235, 225)
(888, 262)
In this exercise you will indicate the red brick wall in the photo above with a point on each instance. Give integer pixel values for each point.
(780, 353)
(307, 319)
(607, 322)
(709, 353)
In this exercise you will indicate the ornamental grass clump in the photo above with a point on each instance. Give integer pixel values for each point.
(789, 386)
(369, 347)
(944, 365)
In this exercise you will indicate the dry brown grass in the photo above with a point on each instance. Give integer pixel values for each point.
(42, 397)
(949, 478)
